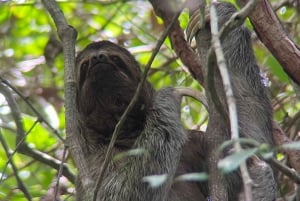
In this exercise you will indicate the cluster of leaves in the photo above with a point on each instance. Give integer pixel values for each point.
(31, 61)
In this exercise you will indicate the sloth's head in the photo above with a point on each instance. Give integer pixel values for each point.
(106, 65)
(107, 77)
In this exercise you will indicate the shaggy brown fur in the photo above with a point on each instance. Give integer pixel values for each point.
(107, 77)
(253, 106)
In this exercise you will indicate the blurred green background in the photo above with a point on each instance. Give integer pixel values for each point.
(31, 61)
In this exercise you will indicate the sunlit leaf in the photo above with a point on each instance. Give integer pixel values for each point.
(277, 69)
(291, 145)
(232, 162)
(38, 136)
(25, 30)
(131, 152)
(155, 180)
(201, 176)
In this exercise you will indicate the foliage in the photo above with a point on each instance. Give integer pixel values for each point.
(29, 63)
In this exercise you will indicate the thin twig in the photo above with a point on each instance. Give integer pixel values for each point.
(232, 108)
(237, 19)
(35, 111)
(270, 31)
(60, 173)
(21, 185)
(292, 174)
(22, 147)
(234, 21)
(120, 124)
(183, 49)
(67, 35)
(216, 44)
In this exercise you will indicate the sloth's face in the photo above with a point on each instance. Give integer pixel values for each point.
(107, 77)
(104, 64)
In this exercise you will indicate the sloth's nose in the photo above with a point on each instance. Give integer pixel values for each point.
(101, 58)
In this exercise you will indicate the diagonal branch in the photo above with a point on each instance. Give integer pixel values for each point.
(35, 111)
(21, 185)
(183, 50)
(271, 33)
(232, 108)
(68, 36)
(121, 122)
(22, 147)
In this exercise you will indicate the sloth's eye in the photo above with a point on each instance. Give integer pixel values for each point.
(83, 68)
(83, 72)
(115, 58)
(85, 64)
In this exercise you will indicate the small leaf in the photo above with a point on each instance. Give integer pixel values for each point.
(265, 151)
(131, 152)
(232, 162)
(196, 176)
(264, 147)
(291, 145)
(267, 155)
(242, 141)
(225, 145)
(155, 180)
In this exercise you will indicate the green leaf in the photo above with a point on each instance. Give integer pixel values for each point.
(155, 180)
(242, 141)
(291, 145)
(131, 152)
(265, 151)
(196, 176)
(232, 162)
(276, 69)
(39, 137)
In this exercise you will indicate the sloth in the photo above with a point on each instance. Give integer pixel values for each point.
(254, 110)
(107, 78)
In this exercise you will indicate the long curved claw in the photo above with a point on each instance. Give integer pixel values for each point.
(194, 25)
(197, 21)
(187, 91)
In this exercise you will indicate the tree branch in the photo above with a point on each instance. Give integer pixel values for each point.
(285, 170)
(121, 122)
(280, 138)
(216, 44)
(67, 35)
(22, 147)
(183, 50)
(271, 33)
(35, 111)
(21, 185)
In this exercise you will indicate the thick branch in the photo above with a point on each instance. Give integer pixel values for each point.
(285, 170)
(272, 34)
(165, 10)
(35, 111)
(232, 108)
(21, 185)
(22, 147)
(68, 36)
(281, 138)
(121, 122)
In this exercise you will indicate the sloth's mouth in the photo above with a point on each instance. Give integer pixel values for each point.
(101, 67)
(107, 75)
